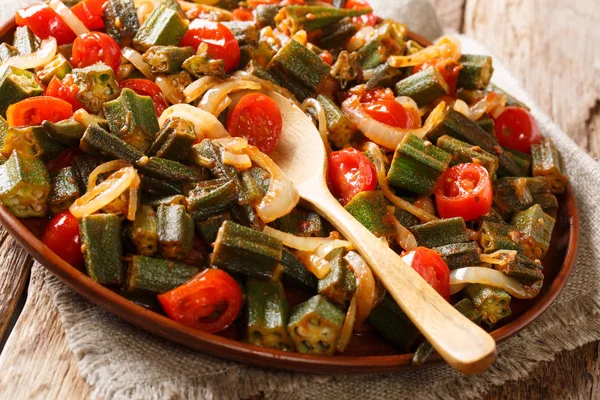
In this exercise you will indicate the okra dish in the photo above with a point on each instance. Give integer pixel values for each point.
(140, 131)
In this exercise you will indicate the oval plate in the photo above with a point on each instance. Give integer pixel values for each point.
(367, 353)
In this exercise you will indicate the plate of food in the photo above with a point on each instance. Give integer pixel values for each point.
(145, 161)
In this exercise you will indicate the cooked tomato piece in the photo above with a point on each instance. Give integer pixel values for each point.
(45, 22)
(35, 110)
(430, 265)
(256, 3)
(464, 190)
(326, 56)
(256, 117)
(517, 129)
(448, 68)
(144, 87)
(243, 14)
(90, 13)
(210, 301)
(350, 172)
(363, 20)
(93, 47)
(221, 43)
(61, 235)
(382, 106)
(66, 90)
(64, 159)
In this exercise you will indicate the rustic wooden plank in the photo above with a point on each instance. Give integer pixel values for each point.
(36, 362)
(450, 13)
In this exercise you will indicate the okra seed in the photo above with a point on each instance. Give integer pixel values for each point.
(38, 207)
(300, 331)
(326, 332)
(38, 194)
(323, 345)
(315, 321)
(305, 347)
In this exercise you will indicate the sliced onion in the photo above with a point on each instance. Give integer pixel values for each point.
(490, 103)
(383, 184)
(214, 98)
(124, 71)
(267, 85)
(104, 168)
(403, 236)
(360, 38)
(197, 88)
(366, 292)
(282, 196)
(205, 124)
(499, 257)
(328, 247)
(136, 59)
(234, 144)
(322, 118)
(43, 56)
(316, 265)
(446, 47)
(239, 161)
(348, 326)
(386, 135)
(172, 94)
(411, 106)
(69, 17)
(462, 107)
(491, 277)
(143, 9)
(425, 203)
(133, 198)
(84, 117)
(308, 244)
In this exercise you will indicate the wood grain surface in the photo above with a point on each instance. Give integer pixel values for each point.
(550, 45)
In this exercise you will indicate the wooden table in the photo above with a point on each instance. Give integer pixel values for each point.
(552, 47)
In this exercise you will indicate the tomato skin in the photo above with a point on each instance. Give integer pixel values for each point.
(61, 235)
(382, 106)
(93, 47)
(34, 110)
(90, 13)
(64, 159)
(327, 57)
(194, 302)
(45, 22)
(66, 90)
(517, 129)
(350, 172)
(221, 43)
(363, 20)
(243, 14)
(449, 69)
(145, 87)
(464, 190)
(257, 118)
(432, 268)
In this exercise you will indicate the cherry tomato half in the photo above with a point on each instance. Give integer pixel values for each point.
(449, 69)
(464, 190)
(61, 235)
(350, 172)
(243, 14)
(430, 265)
(93, 47)
(90, 13)
(66, 90)
(144, 87)
(363, 20)
(45, 22)
(34, 110)
(382, 106)
(257, 118)
(222, 45)
(517, 129)
(210, 301)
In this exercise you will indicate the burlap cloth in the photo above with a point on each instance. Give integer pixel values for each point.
(121, 361)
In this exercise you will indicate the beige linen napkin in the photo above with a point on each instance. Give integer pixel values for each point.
(121, 361)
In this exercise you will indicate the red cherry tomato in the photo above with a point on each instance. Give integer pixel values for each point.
(90, 13)
(257, 118)
(517, 129)
(448, 68)
(363, 20)
(243, 14)
(210, 301)
(45, 22)
(222, 45)
(326, 56)
(432, 268)
(93, 47)
(464, 190)
(66, 90)
(382, 106)
(64, 159)
(34, 110)
(256, 3)
(350, 172)
(144, 87)
(61, 235)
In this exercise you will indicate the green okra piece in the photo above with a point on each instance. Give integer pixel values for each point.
(512, 195)
(390, 322)
(165, 26)
(459, 255)
(16, 84)
(161, 187)
(405, 218)
(25, 40)
(384, 76)
(372, 54)
(522, 160)
(200, 65)
(67, 132)
(346, 69)
(24, 185)
(255, 192)
(536, 228)
(3, 132)
(301, 222)
(153, 275)
(337, 34)
(246, 32)
(268, 315)
(155, 201)
(441, 232)
(499, 236)
(32, 140)
(296, 274)
(476, 71)
(132, 118)
(523, 269)
(311, 18)
(7, 51)
(370, 208)
(208, 229)
(83, 166)
(423, 87)
(492, 303)
(487, 124)
(467, 153)
(58, 67)
(174, 139)
(413, 47)
(64, 190)
(179, 81)
(97, 85)
(175, 231)
(102, 248)
(261, 177)
(243, 250)
(340, 127)
(210, 198)
(144, 231)
(339, 284)
(315, 326)
(121, 21)
(548, 163)
(167, 59)
(417, 165)
(541, 191)
(265, 14)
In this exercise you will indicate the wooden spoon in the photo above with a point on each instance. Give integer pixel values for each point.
(302, 157)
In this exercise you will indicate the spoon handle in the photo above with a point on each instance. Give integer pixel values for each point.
(464, 345)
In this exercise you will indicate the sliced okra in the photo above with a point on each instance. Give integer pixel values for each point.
(167, 59)
(24, 185)
(153, 275)
(441, 232)
(548, 163)
(16, 84)
(165, 26)
(340, 283)
(493, 303)
(210, 198)
(174, 139)
(97, 85)
(175, 231)
(102, 248)
(65, 190)
(536, 228)
(58, 67)
(144, 231)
